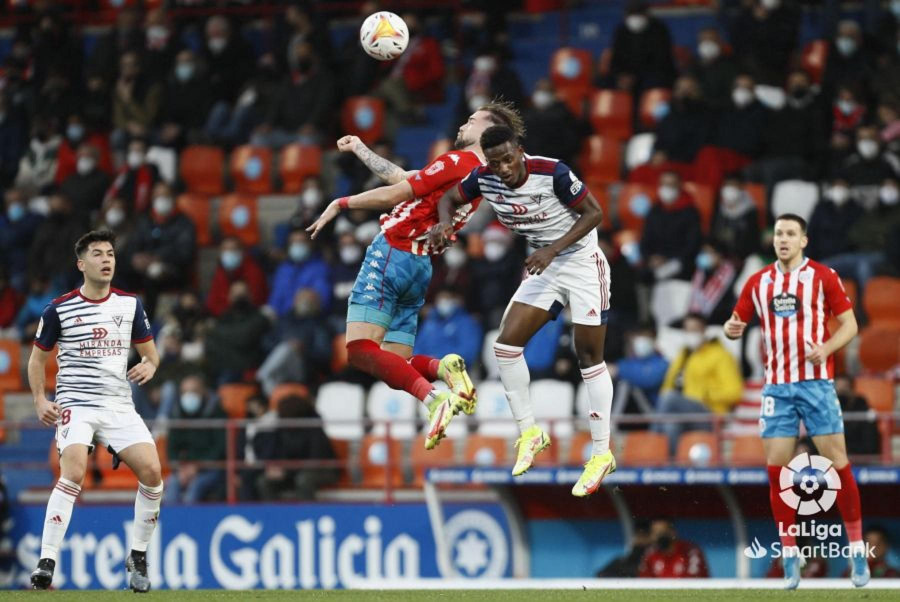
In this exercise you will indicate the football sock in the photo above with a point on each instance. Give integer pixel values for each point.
(600, 395)
(515, 377)
(426, 365)
(396, 372)
(784, 514)
(848, 504)
(146, 513)
(59, 512)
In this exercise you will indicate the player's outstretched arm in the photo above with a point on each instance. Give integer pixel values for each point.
(442, 232)
(818, 354)
(377, 199)
(390, 173)
(734, 327)
(47, 411)
(589, 217)
(142, 373)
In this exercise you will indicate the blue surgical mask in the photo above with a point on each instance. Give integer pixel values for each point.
(705, 261)
(642, 346)
(446, 307)
(191, 402)
(75, 132)
(298, 251)
(846, 46)
(15, 212)
(231, 259)
(660, 110)
(184, 71)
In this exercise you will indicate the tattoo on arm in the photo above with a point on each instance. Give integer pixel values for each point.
(381, 167)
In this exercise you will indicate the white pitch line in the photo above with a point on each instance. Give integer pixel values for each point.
(614, 584)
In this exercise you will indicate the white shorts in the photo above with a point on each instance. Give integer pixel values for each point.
(115, 429)
(580, 281)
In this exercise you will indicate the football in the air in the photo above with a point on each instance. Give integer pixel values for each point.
(384, 36)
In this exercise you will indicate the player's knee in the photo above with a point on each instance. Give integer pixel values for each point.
(151, 475)
(74, 473)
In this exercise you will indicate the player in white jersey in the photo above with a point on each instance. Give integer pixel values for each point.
(543, 200)
(94, 328)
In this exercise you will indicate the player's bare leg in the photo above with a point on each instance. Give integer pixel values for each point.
(72, 467)
(834, 448)
(589, 346)
(519, 324)
(143, 460)
(779, 452)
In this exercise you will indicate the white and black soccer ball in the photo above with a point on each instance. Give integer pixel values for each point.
(384, 36)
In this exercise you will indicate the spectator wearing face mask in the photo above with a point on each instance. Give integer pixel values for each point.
(639, 374)
(889, 124)
(449, 328)
(186, 102)
(228, 58)
(79, 134)
(18, 227)
(160, 44)
(114, 217)
(303, 353)
(310, 202)
(847, 114)
(38, 165)
(88, 185)
(735, 226)
(125, 36)
(831, 221)
(641, 51)
(490, 77)
(704, 378)
(550, 128)
(135, 181)
(496, 275)
(869, 166)
(235, 264)
(712, 283)
(452, 271)
(344, 269)
(50, 254)
(303, 268)
(233, 345)
(713, 68)
(764, 35)
(669, 557)
(40, 293)
(671, 236)
(136, 101)
(850, 61)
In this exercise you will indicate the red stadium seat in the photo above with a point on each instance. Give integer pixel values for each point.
(238, 216)
(341, 449)
(600, 190)
(645, 448)
(338, 353)
(649, 101)
(10, 366)
(813, 59)
(233, 398)
(705, 201)
(198, 208)
(251, 169)
(201, 169)
(747, 450)
(879, 392)
(610, 114)
(373, 461)
(363, 116)
(757, 192)
(881, 299)
(296, 163)
(634, 203)
(571, 74)
(879, 349)
(601, 159)
(422, 459)
(162, 450)
(692, 438)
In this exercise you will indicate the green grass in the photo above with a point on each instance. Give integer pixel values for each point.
(466, 595)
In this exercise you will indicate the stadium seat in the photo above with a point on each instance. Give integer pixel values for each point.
(238, 217)
(121, 478)
(580, 447)
(341, 407)
(553, 400)
(201, 169)
(879, 392)
(286, 389)
(199, 209)
(747, 450)
(649, 102)
(10, 366)
(610, 114)
(421, 459)
(601, 159)
(296, 163)
(363, 116)
(639, 149)
(669, 301)
(635, 201)
(600, 190)
(481, 450)
(570, 70)
(374, 459)
(233, 398)
(795, 196)
(492, 412)
(645, 448)
(2, 418)
(338, 353)
(704, 201)
(879, 348)
(341, 449)
(574, 99)
(390, 405)
(881, 299)
(757, 192)
(251, 169)
(813, 59)
(692, 438)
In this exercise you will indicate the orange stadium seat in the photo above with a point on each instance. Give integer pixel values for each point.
(296, 163)
(341, 449)
(580, 448)
(650, 99)
(2, 417)
(373, 461)
(748, 450)
(879, 348)
(601, 159)
(757, 192)
(162, 450)
(879, 392)
(201, 169)
(852, 291)
(284, 389)
(691, 438)
(645, 448)
(251, 169)
(121, 478)
(363, 116)
(422, 459)
(233, 398)
(338, 353)
(482, 450)
(635, 201)
(705, 201)
(813, 59)
(10, 366)
(238, 216)
(198, 208)
(610, 114)
(600, 190)
(881, 299)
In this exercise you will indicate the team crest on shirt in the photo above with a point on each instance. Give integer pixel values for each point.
(435, 167)
(118, 321)
(785, 305)
(806, 276)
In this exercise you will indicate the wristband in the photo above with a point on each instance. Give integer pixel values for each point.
(344, 202)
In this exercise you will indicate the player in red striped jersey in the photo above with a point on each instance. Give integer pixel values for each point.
(794, 299)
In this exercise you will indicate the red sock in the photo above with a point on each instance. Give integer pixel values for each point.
(784, 514)
(426, 365)
(848, 503)
(366, 355)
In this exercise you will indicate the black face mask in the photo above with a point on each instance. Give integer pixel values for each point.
(304, 65)
(242, 304)
(664, 542)
(800, 92)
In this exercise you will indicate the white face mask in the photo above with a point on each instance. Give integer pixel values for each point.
(708, 50)
(731, 194)
(445, 307)
(231, 259)
(135, 159)
(455, 258)
(636, 23)
(217, 45)
(493, 251)
(542, 99)
(190, 402)
(85, 165)
(311, 198)
(693, 340)
(668, 194)
(163, 205)
(350, 253)
(742, 97)
(114, 217)
(484, 64)
(867, 148)
(889, 195)
(642, 346)
(845, 45)
(839, 195)
(846, 106)
(770, 4)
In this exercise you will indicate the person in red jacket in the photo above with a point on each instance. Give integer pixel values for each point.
(670, 557)
(235, 264)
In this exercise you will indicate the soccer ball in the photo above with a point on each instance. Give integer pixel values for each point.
(384, 36)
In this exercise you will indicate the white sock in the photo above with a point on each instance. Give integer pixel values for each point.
(600, 396)
(146, 512)
(515, 377)
(59, 512)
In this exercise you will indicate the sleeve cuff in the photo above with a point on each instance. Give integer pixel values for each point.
(581, 196)
(42, 347)
(462, 193)
(149, 337)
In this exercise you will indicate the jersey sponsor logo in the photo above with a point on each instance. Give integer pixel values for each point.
(785, 305)
(435, 168)
(117, 320)
(100, 333)
(518, 209)
(40, 327)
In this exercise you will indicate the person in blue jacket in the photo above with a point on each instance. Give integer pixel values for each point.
(303, 268)
(640, 374)
(449, 328)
